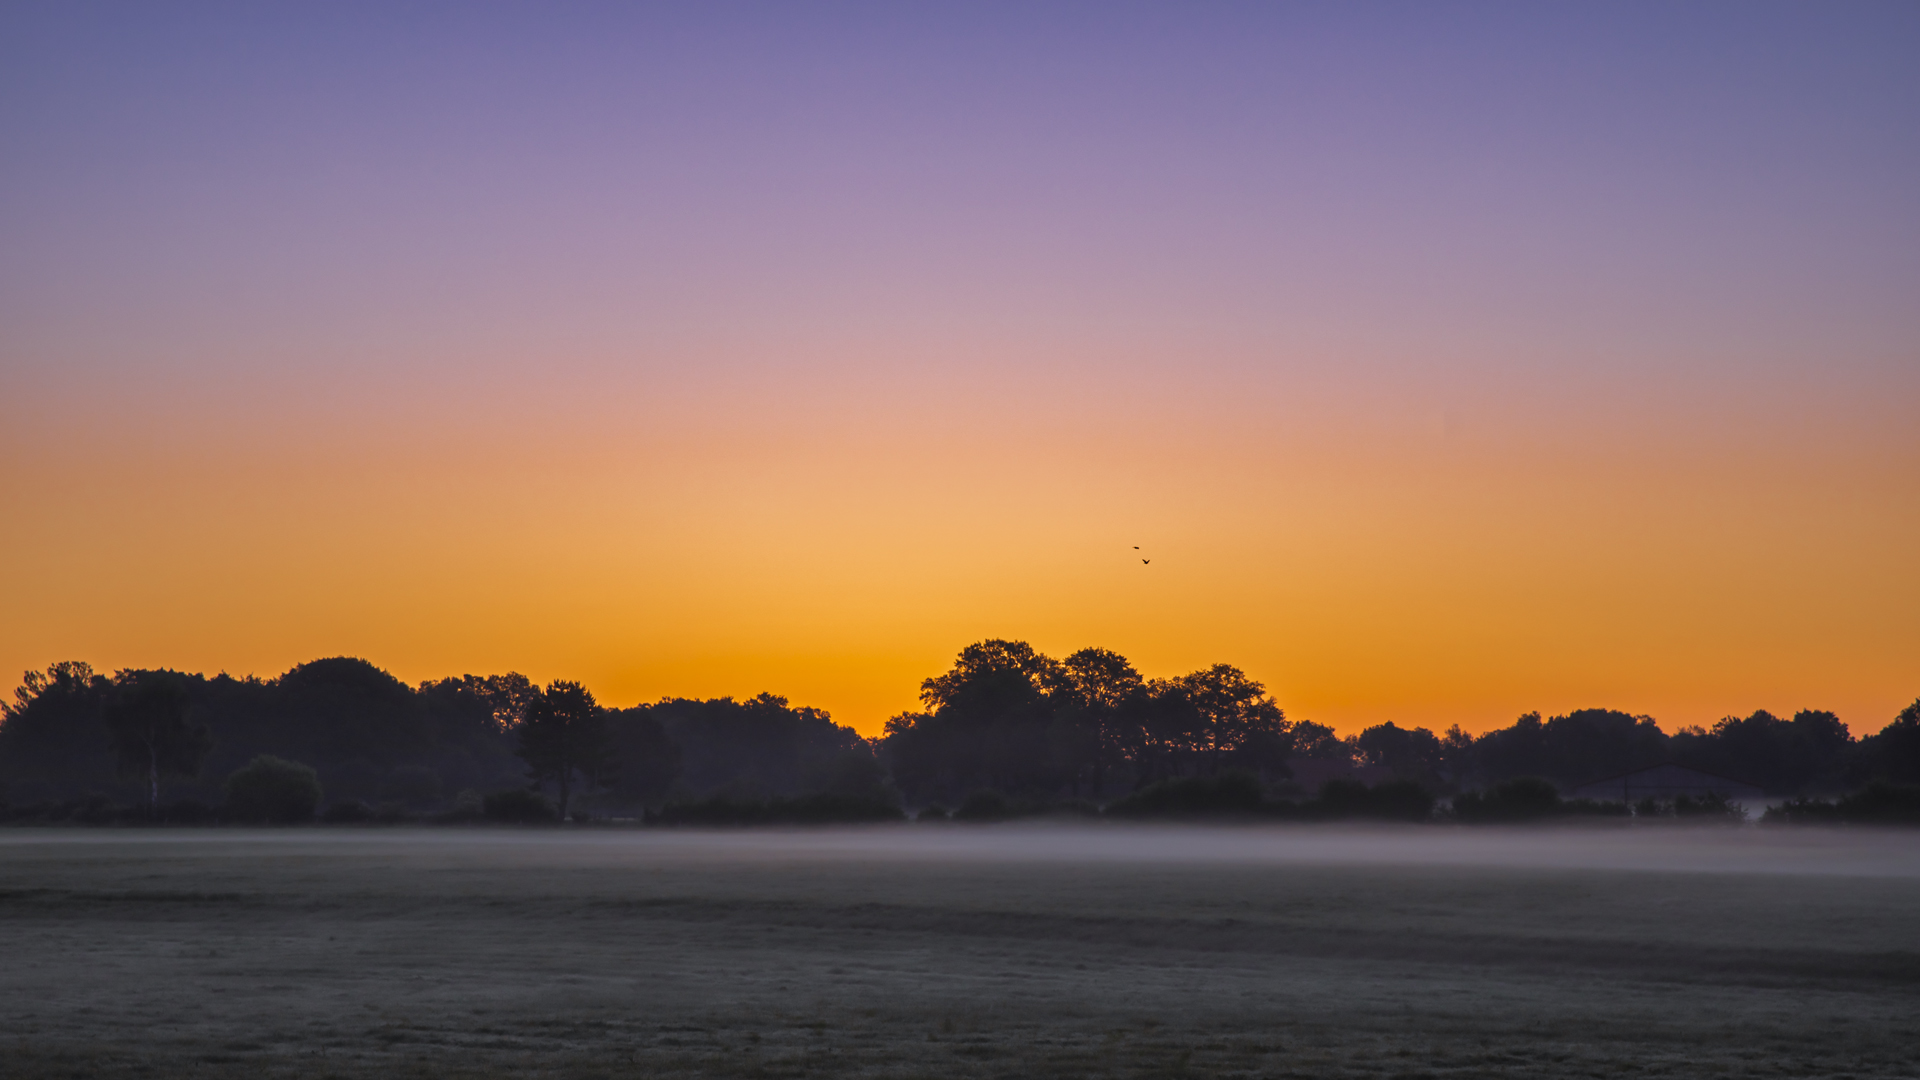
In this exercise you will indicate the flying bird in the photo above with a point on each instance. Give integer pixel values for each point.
(1144, 562)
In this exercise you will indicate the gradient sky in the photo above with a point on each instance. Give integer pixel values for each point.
(1449, 361)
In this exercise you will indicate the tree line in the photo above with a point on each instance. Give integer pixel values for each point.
(1006, 727)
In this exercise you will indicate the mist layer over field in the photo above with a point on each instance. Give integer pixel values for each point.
(1607, 846)
(961, 951)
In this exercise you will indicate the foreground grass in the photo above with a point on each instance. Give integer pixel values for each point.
(483, 955)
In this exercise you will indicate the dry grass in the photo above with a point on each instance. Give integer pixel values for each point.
(976, 954)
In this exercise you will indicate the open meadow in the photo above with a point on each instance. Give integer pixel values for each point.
(954, 951)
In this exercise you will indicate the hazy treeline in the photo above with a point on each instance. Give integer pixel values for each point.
(372, 738)
(1009, 718)
(1005, 723)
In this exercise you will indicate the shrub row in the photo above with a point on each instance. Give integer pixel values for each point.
(270, 790)
(825, 808)
(1875, 804)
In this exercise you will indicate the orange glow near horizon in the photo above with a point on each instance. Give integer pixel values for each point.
(1448, 363)
(1383, 568)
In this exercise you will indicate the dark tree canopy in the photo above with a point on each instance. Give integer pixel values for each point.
(649, 758)
(1005, 719)
(51, 743)
(152, 734)
(1409, 752)
(1782, 756)
(1204, 723)
(1895, 752)
(1318, 742)
(1011, 719)
(759, 748)
(1579, 746)
(564, 738)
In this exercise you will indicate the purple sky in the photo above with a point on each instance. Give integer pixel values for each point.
(513, 245)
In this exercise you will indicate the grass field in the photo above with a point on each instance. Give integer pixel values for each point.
(999, 951)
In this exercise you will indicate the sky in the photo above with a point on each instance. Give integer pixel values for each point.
(1448, 361)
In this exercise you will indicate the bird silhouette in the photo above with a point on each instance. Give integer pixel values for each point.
(1136, 547)
(1144, 562)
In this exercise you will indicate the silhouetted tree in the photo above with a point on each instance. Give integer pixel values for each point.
(1240, 727)
(1782, 756)
(151, 734)
(1093, 691)
(1456, 751)
(1894, 754)
(857, 774)
(1205, 722)
(51, 734)
(1317, 741)
(649, 759)
(1412, 753)
(759, 748)
(989, 724)
(1571, 749)
(347, 711)
(1010, 719)
(1514, 751)
(564, 735)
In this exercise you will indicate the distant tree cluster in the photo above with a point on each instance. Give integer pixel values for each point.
(499, 746)
(71, 733)
(1006, 732)
(1812, 752)
(1010, 719)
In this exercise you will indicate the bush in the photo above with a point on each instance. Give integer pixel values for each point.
(1712, 806)
(1879, 803)
(718, 810)
(1067, 808)
(1234, 794)
(187, 812)
(822, 808)
(467, 806)
(984, 805)
(518, 806)
(1882, 803)
(350, 812)
(273, 790)
(1802, 811)
(100, 810)
(1594, 808)
(1526, 799)
(1394, 800)
(835, 808)
(1400, 800)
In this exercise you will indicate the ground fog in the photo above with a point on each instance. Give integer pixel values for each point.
(960, 952)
